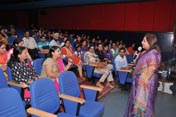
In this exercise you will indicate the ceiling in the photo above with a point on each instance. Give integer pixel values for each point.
(32, 4)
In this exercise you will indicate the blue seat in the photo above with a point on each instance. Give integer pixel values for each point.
(10, 83)
(69, 86)
(37, 64)
(123, 77)
(10, 40)
(90, 74)
(42, 55)
(4, 83)
(129, 58)
(45, 97)
(11, 103)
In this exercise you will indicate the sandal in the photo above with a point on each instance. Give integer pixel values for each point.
(98, 84)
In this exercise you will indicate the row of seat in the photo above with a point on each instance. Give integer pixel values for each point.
(44, 97)
(89, 70)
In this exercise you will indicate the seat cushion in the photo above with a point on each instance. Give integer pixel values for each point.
(91, 109)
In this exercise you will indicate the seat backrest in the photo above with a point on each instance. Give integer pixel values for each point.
(44, 95)
(11, 39)
(3, 82)
(69, 84)
(9, 72)
(129, 58)
(122, 76)
(37, 64)
(11, 103)
(89, 71)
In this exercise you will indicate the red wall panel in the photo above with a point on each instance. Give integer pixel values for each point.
(142, 16)
(156, 15)
(146, 16)
(132, 16)
(164, 18)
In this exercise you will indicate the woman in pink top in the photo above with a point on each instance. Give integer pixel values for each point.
(53, 65)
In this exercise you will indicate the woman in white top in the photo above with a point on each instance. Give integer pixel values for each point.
(91, 57)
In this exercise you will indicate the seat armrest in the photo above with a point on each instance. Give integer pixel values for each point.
(75, 99)
(131, 64)
(91, 87)
(39, 113)
(16, 84)
(124, 70)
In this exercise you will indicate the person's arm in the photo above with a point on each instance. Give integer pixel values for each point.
(44, 50)
(3, 67)
(49, 71)
(34, 42)
(152, 65)
(117, 63)
(67, 66)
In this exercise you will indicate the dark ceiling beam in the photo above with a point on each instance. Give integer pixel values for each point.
(58, 3)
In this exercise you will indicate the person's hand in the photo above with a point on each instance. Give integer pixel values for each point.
(74, 55)
(29, 82)
(29, 57)
(106, 59)
(69, 63)
(69, 56)
(3, 67)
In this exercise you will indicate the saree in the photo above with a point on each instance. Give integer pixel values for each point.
(69, 52)
(144, 89)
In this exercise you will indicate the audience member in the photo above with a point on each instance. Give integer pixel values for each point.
(121, 60)
(43, 45)
(3, 35)
(30, 43)
(68, 54)
(91, 57)
(53, 65)
(131, 49)
(3, 58)
(22, 70)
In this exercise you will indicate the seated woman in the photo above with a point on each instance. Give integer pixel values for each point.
(3, 36)
(91, 57)
(17, 42)
(22, 69)
(53, 65)
(68, 53)
(3, 58)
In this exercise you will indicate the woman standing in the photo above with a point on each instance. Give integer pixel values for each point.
(145, 79)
